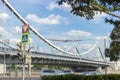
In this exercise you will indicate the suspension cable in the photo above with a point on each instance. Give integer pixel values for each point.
(101, 54)
(94, 46)
(69, 47)
(31, 28)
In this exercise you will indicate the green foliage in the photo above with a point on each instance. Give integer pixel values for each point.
(114, 50)
(88, 8)
(81, 7)
(82, 77)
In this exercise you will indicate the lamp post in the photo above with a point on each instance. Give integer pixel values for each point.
(105, 57)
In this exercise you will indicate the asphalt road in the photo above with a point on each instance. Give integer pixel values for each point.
(33, 78)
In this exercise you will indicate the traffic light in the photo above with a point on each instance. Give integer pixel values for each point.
(19, 55)
(20, 47)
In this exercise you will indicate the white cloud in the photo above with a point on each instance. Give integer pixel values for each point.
(50, 20)
(98, 17)
(51, 6)
(3, 32)
(78, 33)
(8, 35)
(4, 16)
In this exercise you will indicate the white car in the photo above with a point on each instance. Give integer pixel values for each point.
(93, 73)
(47, 72)
(68, 72)
(59, 72)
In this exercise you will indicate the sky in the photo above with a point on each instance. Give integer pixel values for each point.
(52, 21)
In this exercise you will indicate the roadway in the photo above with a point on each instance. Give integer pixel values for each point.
(32, 78)
(35, 75)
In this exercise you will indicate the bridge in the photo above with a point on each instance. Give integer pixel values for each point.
(57, 57)
(50, 59)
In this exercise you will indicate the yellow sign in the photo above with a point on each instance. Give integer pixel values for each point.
(25, 38)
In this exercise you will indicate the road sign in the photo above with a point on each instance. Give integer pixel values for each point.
(25, 28)
(25, 38)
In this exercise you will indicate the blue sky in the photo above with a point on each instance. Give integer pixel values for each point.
(52, 21)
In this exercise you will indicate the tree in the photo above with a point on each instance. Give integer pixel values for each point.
(89, 8)
(114, 50)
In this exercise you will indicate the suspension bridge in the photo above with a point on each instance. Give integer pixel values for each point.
(57, 57)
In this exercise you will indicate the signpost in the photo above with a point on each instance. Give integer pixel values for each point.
(25, 28)
(25, 39)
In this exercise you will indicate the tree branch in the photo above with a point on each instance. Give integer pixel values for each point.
(107, 12)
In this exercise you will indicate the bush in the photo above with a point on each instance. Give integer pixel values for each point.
(82, 77)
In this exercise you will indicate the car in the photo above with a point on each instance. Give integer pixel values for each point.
(47, 72)
(93, 73)
(89, 73)
(59, 72)
(99, 73)
(67, 71)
